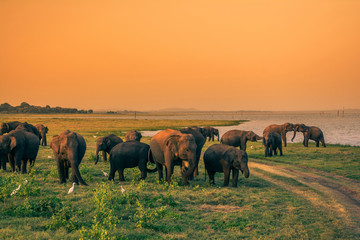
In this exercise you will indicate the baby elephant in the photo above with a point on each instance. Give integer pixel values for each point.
(128, 155)
(272, 141)
(224, 158)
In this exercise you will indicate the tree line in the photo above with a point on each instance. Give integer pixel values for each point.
(24, 107)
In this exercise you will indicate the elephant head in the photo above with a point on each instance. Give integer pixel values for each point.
(5, 148)
(133, 135)
(251, 136)
(183, 147)
(288, 127)
(300, 128)
(216, 133)
(239, 160)
(102, 144)
(4, 128)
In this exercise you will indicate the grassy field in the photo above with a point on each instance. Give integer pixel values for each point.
(257, 209)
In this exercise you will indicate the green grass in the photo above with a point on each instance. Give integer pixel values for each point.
(257, 209)
(336, 159)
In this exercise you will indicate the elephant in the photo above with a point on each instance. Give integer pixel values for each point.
(133, 135)
(42, 133)
(130, 154)
(29, 128)
(200, 141)
(224, 158)
(281, 129)
(209, 132)
(171, 147)
(18, 147)
(312, 133)
(69, 149)
(7, 127)
(272, 141)
(105, 144)
(238, 138)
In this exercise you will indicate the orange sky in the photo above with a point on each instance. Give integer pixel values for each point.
(208, 55)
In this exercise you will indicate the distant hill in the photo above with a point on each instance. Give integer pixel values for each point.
(178, 110)
(24, 107)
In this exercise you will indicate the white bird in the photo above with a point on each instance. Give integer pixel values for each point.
(122, 189)
(15, 191)
(26, 181)
(49, 156)
(251, 147)
(105, 174)
(72, 188)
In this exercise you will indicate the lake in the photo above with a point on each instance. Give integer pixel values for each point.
(337, 129)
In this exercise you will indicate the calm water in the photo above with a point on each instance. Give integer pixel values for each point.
(337, 129)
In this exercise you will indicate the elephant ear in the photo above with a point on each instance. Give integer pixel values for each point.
(55, 144)
(172, 144)
(107, 142)
(229, 155)
(13, 143)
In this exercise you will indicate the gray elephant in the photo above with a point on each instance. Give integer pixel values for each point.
(105, 144)
(130, 154)
(19, 147)
(280, 129)
(312, 133)
(42, 133)
(171, 147)
(238, 138)
(272, 141)
(133, 135)
(9, 126)
(28, 128)
(200, 141)
(224, 158)
(210, 132)
(69, 149)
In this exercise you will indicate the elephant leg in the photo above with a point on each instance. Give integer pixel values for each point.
(317, 143)
(23, 166)
(323, 142)
(306, 142)
(284, 139)
(121, 175)
(12, 162)
(226, 177)
(73, 176)
(112, 173)
(235, 176)
(212, 137)
(169, 171)
(211, 176)
(160, 171)
(275, 151)
(61, 171)
(280, 150)
(3, 165)
(18, 161)
(143, 171)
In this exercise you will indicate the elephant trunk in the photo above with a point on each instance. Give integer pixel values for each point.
(294, 135)
(44, 142)
(97, 155)
(246, 171)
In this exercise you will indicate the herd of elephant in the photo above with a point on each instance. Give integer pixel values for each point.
(167, 148)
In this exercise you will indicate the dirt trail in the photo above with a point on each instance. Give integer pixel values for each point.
(338, 194)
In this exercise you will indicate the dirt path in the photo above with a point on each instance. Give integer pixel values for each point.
(338, 194)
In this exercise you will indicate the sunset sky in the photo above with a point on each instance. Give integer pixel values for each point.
(208, 55)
